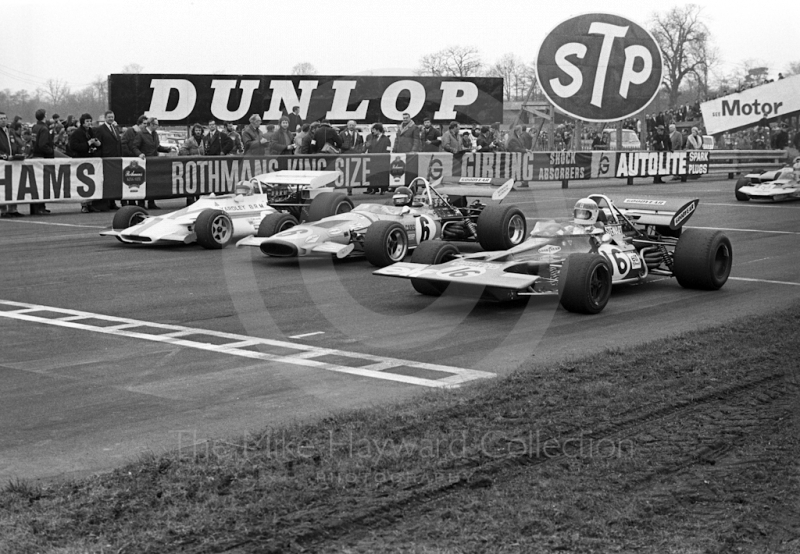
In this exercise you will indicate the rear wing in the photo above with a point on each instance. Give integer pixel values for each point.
(310, 179)
(649, 210)
(482, 187)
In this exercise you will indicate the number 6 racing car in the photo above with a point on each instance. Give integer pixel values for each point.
(385, 233)
(580, 260)
(214, 221)
(781, 184)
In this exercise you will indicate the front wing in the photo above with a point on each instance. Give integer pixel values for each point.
(475, 274)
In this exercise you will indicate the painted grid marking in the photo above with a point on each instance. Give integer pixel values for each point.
(379, 367)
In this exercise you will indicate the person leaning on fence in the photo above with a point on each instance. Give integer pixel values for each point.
(147, 145)
(486, 142)
(307, 145)
(326, 140)
(694, 141)
(352, 141)
(661, 143)
(515, 141)
(429, 137)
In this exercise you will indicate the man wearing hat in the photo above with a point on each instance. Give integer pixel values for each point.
(661, 143)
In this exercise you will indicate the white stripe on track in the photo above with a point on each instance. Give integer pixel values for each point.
(379, 368)
(747, 230)
(57, 224)
(748, 205)
(764, 281)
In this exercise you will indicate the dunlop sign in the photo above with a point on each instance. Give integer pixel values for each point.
(186, 99)
(599, 67)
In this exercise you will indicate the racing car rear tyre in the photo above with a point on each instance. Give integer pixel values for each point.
(584, 284)
(432, 252)
(702, 259)
(128, 216)
(501, 227)
(385, 243)
(742, 182)
(328, 203)
(214, 229)
(272, 224)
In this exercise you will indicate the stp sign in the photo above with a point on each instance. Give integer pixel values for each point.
(599, 67)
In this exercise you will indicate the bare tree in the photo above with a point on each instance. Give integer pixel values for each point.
(100, 89)
(56, 91)
(456, 61)
(684, 40)
(304, 68)
(517, 76)
(132, 68)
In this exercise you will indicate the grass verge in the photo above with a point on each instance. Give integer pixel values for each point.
(611, 452)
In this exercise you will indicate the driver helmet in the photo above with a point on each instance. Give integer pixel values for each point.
(403, 196)
(796, 167)
(585, 212)
(243, 187)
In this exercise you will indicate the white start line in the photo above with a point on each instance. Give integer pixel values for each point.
(364, 365)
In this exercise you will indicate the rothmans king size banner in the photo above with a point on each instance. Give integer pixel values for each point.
(188, 99)
(769, 101)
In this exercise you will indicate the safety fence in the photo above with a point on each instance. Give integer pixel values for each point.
(79, 180)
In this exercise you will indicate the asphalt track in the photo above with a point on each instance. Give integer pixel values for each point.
(108, 351)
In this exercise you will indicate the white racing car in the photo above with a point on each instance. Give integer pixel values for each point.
(385, 233)
(781, 184)
(214, 221)
(606, 243)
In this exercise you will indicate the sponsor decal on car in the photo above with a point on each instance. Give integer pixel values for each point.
(684, 214)
(549, 249)
(645, 201)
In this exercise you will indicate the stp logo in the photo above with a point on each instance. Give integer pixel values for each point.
(599, 67)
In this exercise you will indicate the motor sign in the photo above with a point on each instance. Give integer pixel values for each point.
(599, 67)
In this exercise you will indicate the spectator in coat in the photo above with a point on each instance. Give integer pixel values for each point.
(295, 121)
(486, 141)
(451, 141)
(216, 143)
(694, 141)
(110, 147)
(377, 143)
(253, 140)
(281, 142)
(83, 144)
(527, 138)
(661, 143)
(307, 146)
(429, 137)
(325, 134)
(352, 141)
(126, 141)
(234, 139)
(194, 145)
(147, 145)
(515, 141)
(407, 138)
(9, 147)
(42, 147)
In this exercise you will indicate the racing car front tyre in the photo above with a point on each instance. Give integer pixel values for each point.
(742, 182)
(272, 224)
(385, 243)
(214, 229)
(128, 216)
(432, 252)
(328, 203)
(702, 259)
(584, 284)
(501, 227)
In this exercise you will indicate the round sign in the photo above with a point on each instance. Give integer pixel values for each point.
(599, 67)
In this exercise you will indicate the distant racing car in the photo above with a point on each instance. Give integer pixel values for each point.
(385, 233)
(214, 221)
(580, 260)
(781, 184)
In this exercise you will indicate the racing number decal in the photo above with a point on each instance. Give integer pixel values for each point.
(621, 262)
(291, 232)
(426, 228)
(460, 272)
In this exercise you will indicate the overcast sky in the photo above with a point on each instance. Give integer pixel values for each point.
(79, 40)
